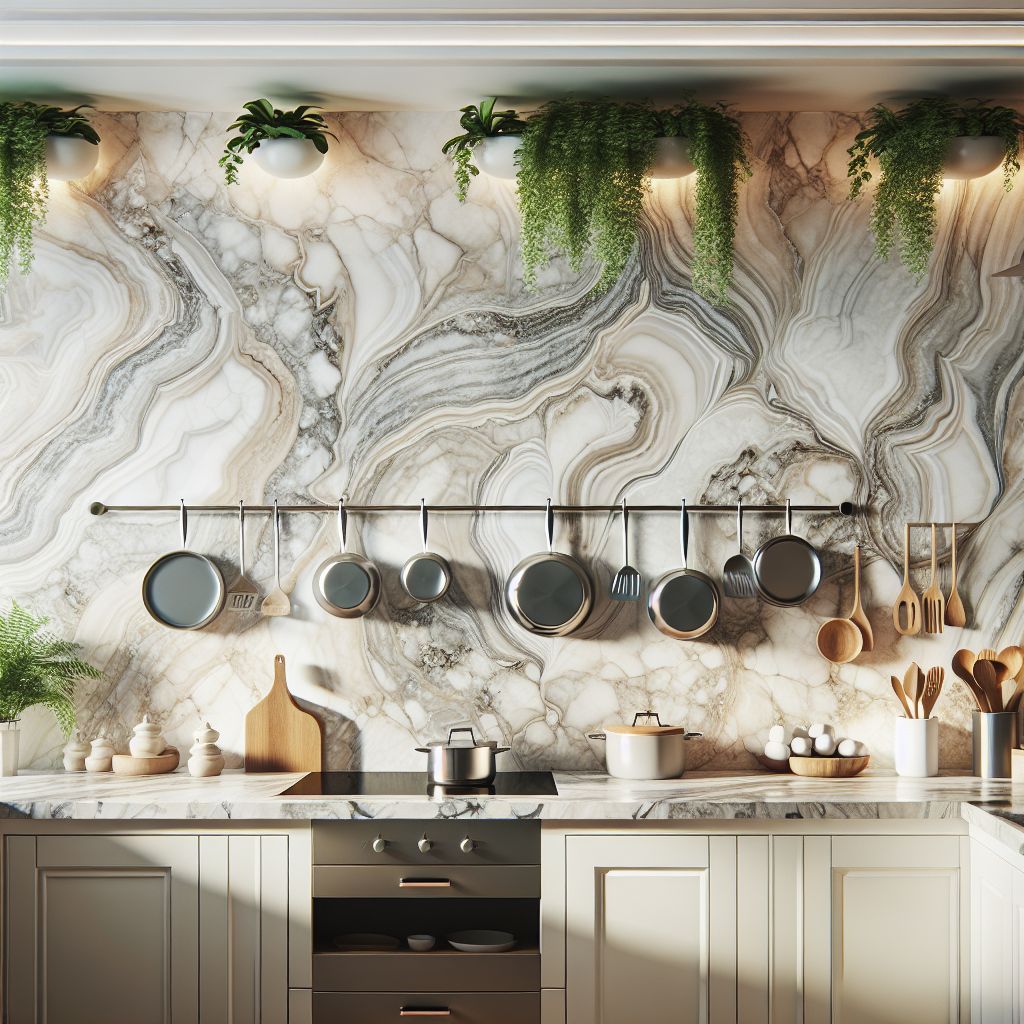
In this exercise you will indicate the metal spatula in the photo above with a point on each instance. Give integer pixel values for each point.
(627, 583)
(738, 571)
(243, 593)
(277, 601)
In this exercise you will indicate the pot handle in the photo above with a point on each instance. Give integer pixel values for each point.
(502, 750)
(597, 736)
(422, 750)
(463, 728)
(692, 735)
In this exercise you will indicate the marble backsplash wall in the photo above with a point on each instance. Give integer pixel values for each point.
(359, 332)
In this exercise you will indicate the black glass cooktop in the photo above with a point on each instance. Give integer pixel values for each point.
(355, 784)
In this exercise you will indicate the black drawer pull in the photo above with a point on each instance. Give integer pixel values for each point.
(425, 883)
(412, 1011)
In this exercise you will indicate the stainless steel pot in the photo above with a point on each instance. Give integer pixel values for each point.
(645, 751)
(471, 763)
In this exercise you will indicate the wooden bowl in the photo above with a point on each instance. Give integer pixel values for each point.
(840, 641)
(771, 764)
(828, 767)
(125, 764)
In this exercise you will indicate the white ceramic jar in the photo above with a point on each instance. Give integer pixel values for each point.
(645, 751)
(916, 747)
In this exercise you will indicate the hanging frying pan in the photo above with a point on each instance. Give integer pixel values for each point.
(684, 603)
(182, 589)
(426, 576)
(787, 569)
(549, 594)
(346, 585)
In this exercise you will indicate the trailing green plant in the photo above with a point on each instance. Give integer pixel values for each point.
(583, 175)
(910, 146)
(478, 123)
(263, 120)
(38, 667)
(24, 189)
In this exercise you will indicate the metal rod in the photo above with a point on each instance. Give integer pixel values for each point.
(942, 526)
(846, 508)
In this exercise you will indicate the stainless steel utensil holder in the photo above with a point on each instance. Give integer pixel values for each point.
(994, 735)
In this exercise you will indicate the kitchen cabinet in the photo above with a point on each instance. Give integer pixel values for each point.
(158, 927)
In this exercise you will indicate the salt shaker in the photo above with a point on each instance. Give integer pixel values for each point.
(148, 740)
(100, 759)
(206, 758)
(75, 753)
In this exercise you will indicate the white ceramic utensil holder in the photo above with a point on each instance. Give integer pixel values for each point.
(10, 741)
(916, 747)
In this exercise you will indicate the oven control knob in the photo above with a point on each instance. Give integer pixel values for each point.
(467, 845)
(425, 845)
(380, 844)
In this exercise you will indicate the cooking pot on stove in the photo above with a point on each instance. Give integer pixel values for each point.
(452, 764)
(645, 751)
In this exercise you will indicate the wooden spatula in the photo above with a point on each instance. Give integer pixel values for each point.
(955, 614)
(932, 688)
(897, 688)
(963, 666)
(933, 601)
(279, 735)
(906, 612)
(912, 684)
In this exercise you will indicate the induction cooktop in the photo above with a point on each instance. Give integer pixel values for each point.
(381, 784)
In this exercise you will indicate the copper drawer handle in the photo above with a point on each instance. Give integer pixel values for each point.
(407, 1011)
(425, 883)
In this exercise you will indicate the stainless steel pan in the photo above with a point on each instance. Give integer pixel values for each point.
(787, 569)
(684, 603)
(426, 576)
(346, 585)
(549, 594)
(182, 589)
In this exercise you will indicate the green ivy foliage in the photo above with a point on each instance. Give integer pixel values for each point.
(910, 146)
(38, 668)
(478, 123)
(262, 120)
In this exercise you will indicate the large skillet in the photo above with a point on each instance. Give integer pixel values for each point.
(549, 594)
(346, 584)
(684, 603)
(787, 569)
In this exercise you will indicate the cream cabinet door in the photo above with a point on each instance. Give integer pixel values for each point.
(650, 929)
(896, 929)
(102, 929)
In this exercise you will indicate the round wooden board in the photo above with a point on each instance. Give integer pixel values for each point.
(828, 767)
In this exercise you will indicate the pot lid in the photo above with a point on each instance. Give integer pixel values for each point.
(473, 741)
(647, 729)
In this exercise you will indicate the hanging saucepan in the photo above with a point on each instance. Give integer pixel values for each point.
(787, 569)
(549, 594)
(684, 603)
(346, 585)
(183, 590)
(426, 576)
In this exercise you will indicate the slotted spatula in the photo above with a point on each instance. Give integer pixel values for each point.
(906, 612)
(243, 593)
(627, 584)
(277, 601)
(933, 601)
(738, 571)
(932, 688)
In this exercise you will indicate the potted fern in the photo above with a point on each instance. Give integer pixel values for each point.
(918, 146)
(584, 170)
(489, 142)
(285, 143)
(37, 142)
(36, 668)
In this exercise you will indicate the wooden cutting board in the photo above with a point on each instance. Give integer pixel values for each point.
(279, 735)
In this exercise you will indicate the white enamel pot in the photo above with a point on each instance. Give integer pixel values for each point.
(288, 158)
(645, 751)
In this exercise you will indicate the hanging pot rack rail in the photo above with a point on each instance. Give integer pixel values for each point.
(845, 508)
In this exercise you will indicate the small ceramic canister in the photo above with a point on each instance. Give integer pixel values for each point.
(148, 740)
(75, 753)
(100, 758)
(206, 757)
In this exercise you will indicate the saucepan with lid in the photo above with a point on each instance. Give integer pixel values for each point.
(648, 751)
(466, 763)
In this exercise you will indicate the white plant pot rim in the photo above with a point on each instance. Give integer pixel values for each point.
(69, 157)
(496, 155)
(288, 158)
(972, 156)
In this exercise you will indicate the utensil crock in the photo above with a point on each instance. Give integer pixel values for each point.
(994, 735)
(916, 747)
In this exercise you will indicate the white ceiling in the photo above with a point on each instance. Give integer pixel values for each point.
(387, 54)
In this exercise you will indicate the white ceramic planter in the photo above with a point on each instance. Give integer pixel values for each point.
(916, 748)
(973, 156)
(672, 158)
(10, 740)
(496, 156)
(288, 158)
(69, 157)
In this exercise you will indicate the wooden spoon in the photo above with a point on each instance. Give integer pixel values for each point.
(932, 689)
(986, 674)
(858, 616)
(912, 680)
(1013, 659)
(963, 666)
(906, 612)
(839, 641)
(897, 688)
(955, 614)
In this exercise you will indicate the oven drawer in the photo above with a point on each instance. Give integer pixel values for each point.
(436, 971)
(338, 881)
(494, 842)
(456, 1007)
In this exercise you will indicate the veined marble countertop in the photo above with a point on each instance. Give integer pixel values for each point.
(581, 796)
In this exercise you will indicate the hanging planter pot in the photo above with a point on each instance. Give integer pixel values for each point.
(69, 157)
(973, 156)
(288, 158)
(496, 155)
(671, 158)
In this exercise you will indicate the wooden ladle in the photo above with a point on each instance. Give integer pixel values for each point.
(842, 640)
(857, 615)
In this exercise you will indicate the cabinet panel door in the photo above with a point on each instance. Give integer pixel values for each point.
(895, 930)
(640, 940)
(113, 923)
